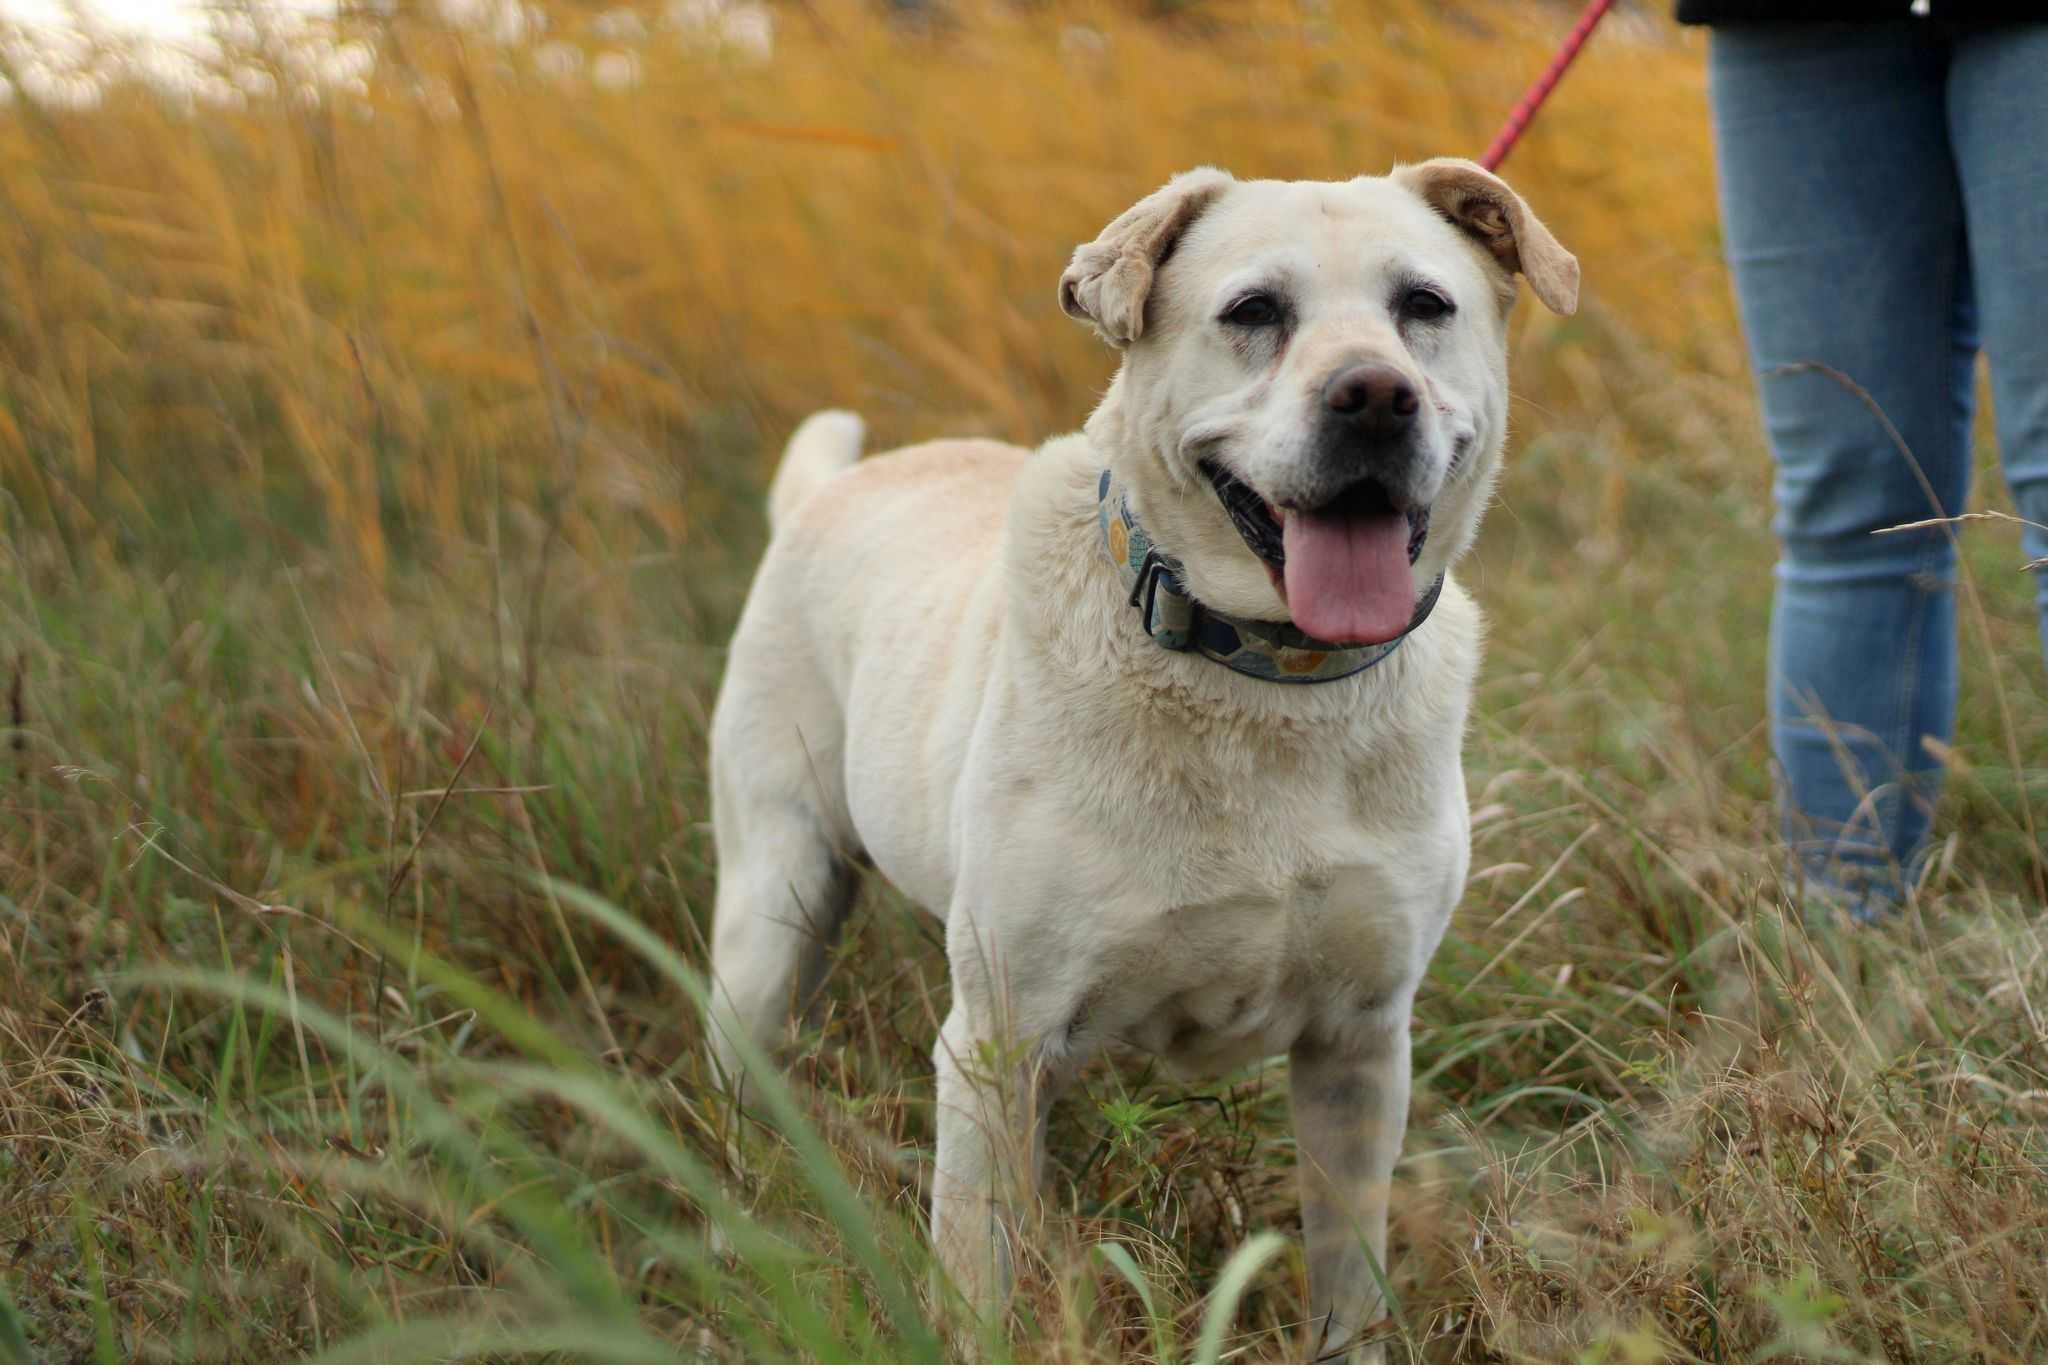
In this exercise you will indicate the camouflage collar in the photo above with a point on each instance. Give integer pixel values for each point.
(1274, 651)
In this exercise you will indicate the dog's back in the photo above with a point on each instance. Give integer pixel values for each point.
(865, 551)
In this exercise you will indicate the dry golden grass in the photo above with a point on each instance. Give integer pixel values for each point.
(476, 278)
(350, 446)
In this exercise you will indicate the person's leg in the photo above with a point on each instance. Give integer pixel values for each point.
(1998, 127)
(1844, 237)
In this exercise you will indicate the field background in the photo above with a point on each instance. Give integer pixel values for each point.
(386, 413)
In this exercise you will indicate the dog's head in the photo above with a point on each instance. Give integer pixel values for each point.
(1313, 395)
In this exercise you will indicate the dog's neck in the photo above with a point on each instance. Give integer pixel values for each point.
(1272, 651)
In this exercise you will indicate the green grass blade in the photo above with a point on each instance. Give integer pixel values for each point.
(1120, 1259)
(842, 1204)
(1238, 1273)
(13, 1334)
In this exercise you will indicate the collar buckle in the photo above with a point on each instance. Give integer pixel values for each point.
(1163, 604)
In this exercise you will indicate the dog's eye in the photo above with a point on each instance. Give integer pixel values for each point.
(1425, 305)
(1253, 310)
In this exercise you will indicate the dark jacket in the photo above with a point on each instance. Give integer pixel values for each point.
(1796, 11)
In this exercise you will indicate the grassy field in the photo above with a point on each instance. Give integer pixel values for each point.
(379, 477)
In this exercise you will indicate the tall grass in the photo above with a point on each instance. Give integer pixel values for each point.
(485, 278)
(381, 479)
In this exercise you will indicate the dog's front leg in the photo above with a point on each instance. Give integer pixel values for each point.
(993, 1098)
(1350, 1111)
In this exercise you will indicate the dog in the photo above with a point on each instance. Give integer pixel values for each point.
(1163, 718)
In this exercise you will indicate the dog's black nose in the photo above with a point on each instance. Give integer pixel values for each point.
(1375, 400)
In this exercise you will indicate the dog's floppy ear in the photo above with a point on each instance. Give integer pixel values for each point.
(1480, 204)
(1110, 278)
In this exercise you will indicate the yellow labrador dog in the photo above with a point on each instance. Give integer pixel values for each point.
(1163, 717)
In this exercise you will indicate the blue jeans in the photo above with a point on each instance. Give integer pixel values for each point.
(1884, 193)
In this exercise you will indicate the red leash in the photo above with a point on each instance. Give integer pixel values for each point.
(1524, 111)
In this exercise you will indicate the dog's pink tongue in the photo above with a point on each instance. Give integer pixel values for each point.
(1347, 578)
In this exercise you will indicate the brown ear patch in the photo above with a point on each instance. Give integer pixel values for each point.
(1488, 221)
(1110, 278)
(1481, 205)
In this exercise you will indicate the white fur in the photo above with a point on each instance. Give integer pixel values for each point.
(825, 444)
(937, 672)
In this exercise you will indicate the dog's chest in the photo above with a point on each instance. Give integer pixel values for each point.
(1216, 985)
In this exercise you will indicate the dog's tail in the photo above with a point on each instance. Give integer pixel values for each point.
(825, 444)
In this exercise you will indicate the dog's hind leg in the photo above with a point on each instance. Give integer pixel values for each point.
(786, 875)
